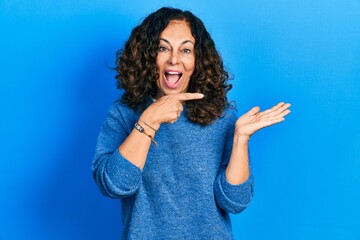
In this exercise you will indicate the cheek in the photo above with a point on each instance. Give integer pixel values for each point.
(160, 59)
(190, 65)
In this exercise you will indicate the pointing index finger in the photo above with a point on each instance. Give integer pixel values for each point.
(190, 96)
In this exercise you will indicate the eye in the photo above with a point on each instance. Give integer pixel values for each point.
(163, 49)
(186, 50)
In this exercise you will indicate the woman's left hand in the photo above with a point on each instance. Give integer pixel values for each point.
(255, 120)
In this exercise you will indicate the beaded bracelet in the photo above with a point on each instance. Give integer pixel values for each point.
(138, 127)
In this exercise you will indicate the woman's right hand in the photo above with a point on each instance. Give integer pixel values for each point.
(167, 108)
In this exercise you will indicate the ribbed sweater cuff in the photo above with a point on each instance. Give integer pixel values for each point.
(240, 193)
(125, 176)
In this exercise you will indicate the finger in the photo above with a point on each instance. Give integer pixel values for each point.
(284, 113)
(272, 121)
(180, 107)
(173, 117)
(253, 111)
(274, 108)
(279, 111)
(189, 96)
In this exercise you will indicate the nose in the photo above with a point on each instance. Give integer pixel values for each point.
(173, 58)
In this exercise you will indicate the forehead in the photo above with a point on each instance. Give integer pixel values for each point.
(177, 30)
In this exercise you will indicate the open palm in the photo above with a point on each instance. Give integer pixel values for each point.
(255, 120)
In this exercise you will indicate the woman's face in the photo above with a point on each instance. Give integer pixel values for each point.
(176, 58)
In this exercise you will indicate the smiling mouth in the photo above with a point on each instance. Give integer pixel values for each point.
(172, 78)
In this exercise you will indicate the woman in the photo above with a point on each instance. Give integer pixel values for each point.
(173, 149)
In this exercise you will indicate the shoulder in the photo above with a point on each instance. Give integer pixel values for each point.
(119, 108)
(226, 121)
(229, 115)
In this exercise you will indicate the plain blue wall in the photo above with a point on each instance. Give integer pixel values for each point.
(56, 86)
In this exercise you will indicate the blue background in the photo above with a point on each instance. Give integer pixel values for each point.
(56, 86)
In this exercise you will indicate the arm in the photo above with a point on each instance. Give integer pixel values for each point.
(234, 186)
(115, 176)
(229, 196)
(166, 109)
(121, 150)
(238, 169)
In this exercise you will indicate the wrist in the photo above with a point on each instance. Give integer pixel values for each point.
(147, 120)
(142, 130)
(148, 126)
(150, 118)
(241, 138)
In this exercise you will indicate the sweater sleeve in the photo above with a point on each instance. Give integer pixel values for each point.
(115, 176)
(231, 198)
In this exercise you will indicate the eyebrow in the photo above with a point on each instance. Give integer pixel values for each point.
(186, 41)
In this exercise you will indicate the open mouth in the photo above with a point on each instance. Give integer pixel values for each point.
(172, 78)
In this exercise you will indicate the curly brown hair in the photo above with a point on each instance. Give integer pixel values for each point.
(137, 70)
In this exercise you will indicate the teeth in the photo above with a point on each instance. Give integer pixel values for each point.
(173, 73)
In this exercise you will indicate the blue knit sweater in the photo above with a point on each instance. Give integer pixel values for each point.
(182, 192)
